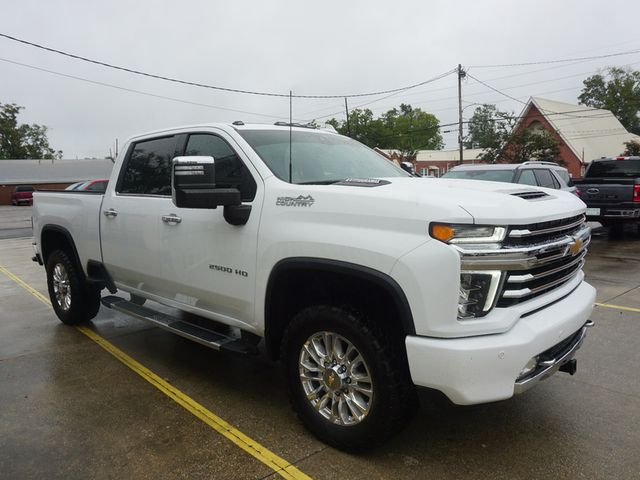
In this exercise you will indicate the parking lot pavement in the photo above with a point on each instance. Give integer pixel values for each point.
(72, 410)
(15, 222)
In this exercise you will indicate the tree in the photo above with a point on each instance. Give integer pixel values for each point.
(618, 91)
(22, 140)
(483, 127)
(503, 141)
(632, 148)
(406, 129)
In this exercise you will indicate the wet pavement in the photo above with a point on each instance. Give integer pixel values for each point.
(70, 410)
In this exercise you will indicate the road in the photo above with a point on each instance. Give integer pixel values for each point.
(71, 409)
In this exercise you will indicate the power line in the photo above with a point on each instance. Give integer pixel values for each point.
(541, 62)
(442, 75)
(140, 92)
(203, 85)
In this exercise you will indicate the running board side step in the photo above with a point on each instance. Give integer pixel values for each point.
(204, 336)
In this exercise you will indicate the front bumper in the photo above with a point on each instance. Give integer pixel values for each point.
(486, 368)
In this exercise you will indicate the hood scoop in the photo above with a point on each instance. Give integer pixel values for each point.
(530, 194)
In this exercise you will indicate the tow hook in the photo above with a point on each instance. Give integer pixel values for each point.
(570, 367)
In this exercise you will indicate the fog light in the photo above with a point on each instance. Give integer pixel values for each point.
(529, 367)
(477, 293)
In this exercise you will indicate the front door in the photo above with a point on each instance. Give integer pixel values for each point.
(209, 264)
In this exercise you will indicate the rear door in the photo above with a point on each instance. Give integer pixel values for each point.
(131, 213)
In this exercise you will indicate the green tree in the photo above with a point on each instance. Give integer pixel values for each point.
(632, 148)
(406, 129)
(22, 140)
(618, 91)
(484, 129)
(510, 144)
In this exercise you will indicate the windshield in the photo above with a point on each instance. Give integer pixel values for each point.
(614, 169)
(318, 157)
(488, 175)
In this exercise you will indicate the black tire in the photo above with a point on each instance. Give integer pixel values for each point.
(394, 396)
(83, 301)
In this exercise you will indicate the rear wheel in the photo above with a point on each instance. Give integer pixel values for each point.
(72, 299)
(346, 379)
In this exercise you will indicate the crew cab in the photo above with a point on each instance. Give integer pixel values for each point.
(611, 190)
(363, 280)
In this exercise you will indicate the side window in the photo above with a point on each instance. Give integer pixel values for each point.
(97, 187)
(527, 178)
(148, 170)
(231, 172)
(545, 179)
(564, 176)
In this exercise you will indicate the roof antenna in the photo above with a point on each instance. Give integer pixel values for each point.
(290, 133)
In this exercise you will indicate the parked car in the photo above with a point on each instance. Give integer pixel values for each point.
(538, 174)
(363, 280)
(90, 186)
(75, 186)
(22, 195)
(611, 190)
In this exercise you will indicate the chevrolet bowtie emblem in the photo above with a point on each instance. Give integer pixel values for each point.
(575, 246)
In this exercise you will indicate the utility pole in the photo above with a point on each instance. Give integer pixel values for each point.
(461, 75)
(346, 109)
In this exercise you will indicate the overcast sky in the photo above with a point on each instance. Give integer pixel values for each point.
(328, 47)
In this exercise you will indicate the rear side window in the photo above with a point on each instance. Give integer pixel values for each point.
(527, 178)
(614, 169)
(231, 172)
(545, 179)
(564, 175)
(148, 170)
(97, 187)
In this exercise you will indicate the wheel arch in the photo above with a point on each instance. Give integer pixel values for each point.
(54, 237)
(301, 281)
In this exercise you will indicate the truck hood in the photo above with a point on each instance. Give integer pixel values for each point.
(486, 202)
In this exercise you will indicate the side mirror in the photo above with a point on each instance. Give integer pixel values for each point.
(408, 167)
(193, 184)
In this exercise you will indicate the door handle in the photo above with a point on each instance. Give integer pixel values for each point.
(111, 213)
(171, 219)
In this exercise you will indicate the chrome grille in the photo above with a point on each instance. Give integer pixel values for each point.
(535, 258)
(557, 265)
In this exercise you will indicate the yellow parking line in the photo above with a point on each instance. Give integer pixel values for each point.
(253, 448)
(618, 307)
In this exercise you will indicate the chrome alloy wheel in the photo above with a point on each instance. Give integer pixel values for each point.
(335, 378)
(61, 287)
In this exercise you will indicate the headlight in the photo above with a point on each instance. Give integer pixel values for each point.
(477, 293)
(466, 233)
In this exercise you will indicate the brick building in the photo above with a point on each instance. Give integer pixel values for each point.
(583, 133)
(434, 163)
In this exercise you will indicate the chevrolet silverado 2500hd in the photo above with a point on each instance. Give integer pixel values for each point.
(363, 280)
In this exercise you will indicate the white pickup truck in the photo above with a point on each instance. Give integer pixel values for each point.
(363, 280)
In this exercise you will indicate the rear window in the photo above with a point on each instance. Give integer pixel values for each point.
(489, 175)
(614, 169)
(24, 189)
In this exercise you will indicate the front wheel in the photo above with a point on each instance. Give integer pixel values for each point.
(72, 299)
(346, 379)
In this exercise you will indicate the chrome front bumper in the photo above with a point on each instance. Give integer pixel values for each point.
(548, 364)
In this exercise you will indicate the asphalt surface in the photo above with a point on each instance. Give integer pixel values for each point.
(69, 409)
